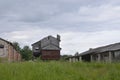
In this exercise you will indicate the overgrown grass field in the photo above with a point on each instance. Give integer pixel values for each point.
(59, 71)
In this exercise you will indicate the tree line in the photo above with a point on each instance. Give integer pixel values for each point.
(25, 52)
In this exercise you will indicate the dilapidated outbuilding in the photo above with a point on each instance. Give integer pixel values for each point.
(7, 52)
(47, 48)
(74, 58)
(109, 53)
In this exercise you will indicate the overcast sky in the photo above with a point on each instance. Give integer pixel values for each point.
(82, 24)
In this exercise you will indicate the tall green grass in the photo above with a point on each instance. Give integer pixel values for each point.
(59, 71)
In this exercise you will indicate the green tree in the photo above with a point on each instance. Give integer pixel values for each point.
(17, 46)
(26, 53)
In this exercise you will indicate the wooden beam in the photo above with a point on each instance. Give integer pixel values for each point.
(99, 57)
(110, 56)
(91, 57)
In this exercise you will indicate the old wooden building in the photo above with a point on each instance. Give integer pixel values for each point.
(8, 52)
(109, 53)
(48, 48)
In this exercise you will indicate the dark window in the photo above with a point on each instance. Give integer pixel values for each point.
(1, 46)
(36, 48)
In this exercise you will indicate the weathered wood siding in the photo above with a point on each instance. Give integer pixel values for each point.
(4, 50)
(49, 40)
(8, 53)
(37, 45)
(50, 54)
(48, 48)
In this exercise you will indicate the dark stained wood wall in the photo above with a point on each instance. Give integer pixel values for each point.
(50, 54)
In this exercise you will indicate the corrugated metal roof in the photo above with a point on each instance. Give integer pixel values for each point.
(111, 47)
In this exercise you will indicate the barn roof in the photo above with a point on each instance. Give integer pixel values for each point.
(6, 41)
(111, 47)
(51, 47)
(42, 39)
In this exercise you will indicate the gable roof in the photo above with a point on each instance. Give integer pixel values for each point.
(6, 41)
(111, 47)
(43, 39)
(51, 47)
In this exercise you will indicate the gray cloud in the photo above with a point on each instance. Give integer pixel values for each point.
(75, 14)
(70, 18)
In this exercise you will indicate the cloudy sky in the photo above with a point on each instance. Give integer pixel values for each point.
(82, 24)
